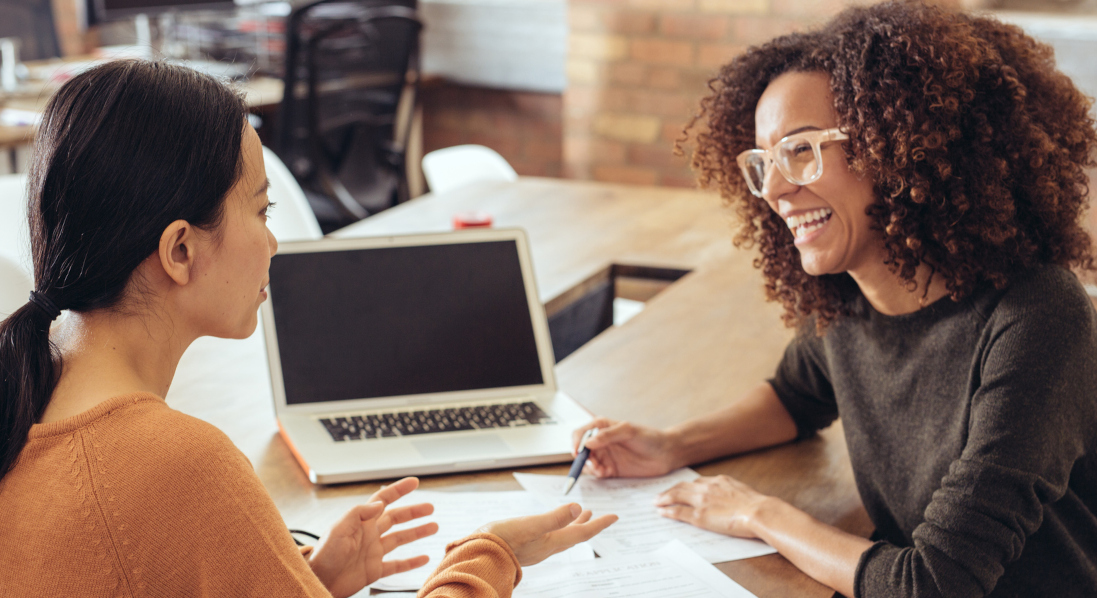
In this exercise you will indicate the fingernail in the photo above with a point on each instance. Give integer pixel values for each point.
(576, 510)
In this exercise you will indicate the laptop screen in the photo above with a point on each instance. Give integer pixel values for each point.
(393, 321)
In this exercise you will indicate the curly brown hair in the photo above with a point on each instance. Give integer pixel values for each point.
(976, 145)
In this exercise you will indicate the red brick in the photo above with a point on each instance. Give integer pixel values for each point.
(678, 178)
(627, 73)
(665, 78)
(661, 51)
(448, 119)
(757, 30)
(581, 171)
(811, 9)
(506, 145)
(585, 149)
(547, 128)
(672, 130)
(717, 55)
(694, 26)
(543, 150)
(611, 20)
(681, 5)
(580, 101)
(439, 138)
(630, 175)
(546, 105)
(655, 155)
(479, 121)
(662, 103)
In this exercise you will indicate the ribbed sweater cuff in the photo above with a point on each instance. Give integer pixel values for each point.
(497, 540)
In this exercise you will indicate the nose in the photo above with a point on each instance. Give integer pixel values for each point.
(775, 185)
(272, 242)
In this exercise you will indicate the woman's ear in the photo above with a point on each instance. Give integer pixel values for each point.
(177, 245)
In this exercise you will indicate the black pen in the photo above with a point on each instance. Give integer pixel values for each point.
(580, 459)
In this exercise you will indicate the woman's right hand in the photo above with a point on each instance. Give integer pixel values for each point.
(625, 450)
(536, 537)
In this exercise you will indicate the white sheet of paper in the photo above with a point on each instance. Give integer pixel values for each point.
(640, 529)
(458, 514)
(673, 571)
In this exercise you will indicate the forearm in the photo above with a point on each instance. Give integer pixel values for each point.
(827, 554)
(756, 420)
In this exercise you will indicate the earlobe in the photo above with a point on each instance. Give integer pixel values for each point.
(175, 251)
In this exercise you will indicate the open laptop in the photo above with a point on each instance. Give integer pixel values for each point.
(413, 355)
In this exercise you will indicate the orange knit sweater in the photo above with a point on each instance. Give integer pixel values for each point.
(134, 499)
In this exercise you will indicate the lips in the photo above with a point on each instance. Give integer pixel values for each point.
(809, 222)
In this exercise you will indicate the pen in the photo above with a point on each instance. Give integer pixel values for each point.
(580, 459)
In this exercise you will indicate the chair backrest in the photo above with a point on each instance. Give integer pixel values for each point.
(15, 287)
(452, 167)
(347, 66)
(14, 234)
(32, 22)
(291, 219)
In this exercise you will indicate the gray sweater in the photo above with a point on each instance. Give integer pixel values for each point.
(972, 429)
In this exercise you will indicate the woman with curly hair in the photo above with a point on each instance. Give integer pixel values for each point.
(914, 179)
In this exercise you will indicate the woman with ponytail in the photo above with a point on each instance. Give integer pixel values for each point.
(147, 211)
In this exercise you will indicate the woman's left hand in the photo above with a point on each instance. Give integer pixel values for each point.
(721, 504)
(350, 557)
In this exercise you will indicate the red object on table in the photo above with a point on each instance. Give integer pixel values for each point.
(471, 220)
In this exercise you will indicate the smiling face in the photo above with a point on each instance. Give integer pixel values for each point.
(233, 272)
(833, 232)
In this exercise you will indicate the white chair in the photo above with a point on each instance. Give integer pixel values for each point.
(15, 287)
(14, 240)
(292, 219)
(453, 167)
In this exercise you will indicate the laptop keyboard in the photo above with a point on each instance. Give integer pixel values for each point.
(410, 423)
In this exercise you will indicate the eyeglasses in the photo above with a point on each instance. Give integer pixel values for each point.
(798, 158)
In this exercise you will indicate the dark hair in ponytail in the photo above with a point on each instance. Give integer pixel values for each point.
(123, 150)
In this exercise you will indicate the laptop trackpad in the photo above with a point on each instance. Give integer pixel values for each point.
(481, 446)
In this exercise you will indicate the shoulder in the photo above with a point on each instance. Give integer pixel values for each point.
(1048, 292)
(154, 441)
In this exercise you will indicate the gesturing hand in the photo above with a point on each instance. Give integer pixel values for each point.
(350, 557)
(623, 449)
(720, 504)
(536, 537)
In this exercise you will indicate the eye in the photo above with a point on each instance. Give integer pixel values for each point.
(799, 148)
(265, 212)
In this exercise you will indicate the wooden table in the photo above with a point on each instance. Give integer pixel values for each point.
(701, 342)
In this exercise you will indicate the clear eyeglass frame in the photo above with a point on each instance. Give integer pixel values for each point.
(789, 154)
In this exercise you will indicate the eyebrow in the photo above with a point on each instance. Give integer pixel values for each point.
(262, 189)
(795, 131)
(801, 130)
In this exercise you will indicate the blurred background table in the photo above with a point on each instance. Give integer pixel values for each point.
(699, 343)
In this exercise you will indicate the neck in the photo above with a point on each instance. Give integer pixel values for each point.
(890, 295)
(107, 354)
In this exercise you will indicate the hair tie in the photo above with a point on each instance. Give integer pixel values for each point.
(45, 304)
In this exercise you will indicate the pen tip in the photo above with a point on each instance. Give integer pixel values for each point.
(567, 488)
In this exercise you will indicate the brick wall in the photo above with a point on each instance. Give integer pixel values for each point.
(637, 69)
(524, 127)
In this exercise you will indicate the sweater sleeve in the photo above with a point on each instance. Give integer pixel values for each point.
(478, 566)
(203, 524)
(803, 386)
(1032, 416)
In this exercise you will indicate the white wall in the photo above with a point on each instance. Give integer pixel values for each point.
(504, 44)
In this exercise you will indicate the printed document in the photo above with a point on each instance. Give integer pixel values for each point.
(673, 571)
(640, 529)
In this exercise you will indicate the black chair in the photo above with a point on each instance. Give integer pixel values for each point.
(31, 21)
(348, 64)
